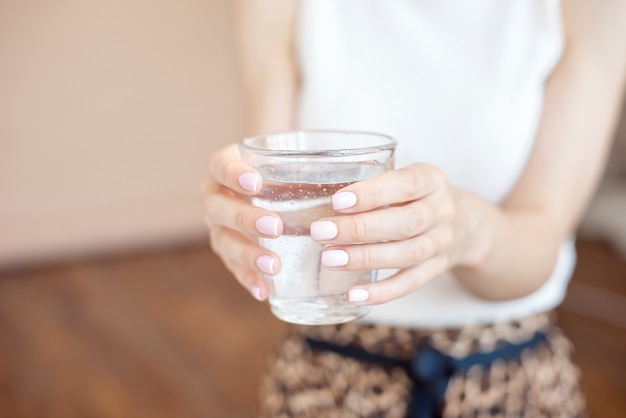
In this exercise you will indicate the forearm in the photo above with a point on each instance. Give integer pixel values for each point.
(511, 250)
(514, 247)
(268, 70)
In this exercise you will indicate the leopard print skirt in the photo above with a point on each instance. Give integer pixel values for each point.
(308, 380)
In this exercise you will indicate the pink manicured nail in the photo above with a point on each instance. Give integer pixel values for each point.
(334, 258)
(249, 181)
(265, 263)
(267, 225)
(323, 230)
(343, 200)
(257, 292)
(358, 295)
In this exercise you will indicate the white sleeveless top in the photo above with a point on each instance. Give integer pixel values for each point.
(460, 85)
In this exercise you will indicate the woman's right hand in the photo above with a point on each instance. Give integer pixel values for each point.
(234, 224)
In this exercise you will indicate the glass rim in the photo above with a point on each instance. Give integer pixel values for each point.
(390, 143)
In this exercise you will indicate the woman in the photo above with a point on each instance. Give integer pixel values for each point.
(504, 112)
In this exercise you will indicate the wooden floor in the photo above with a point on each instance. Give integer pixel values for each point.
(169, 334)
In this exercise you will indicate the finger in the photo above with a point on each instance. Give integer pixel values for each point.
(392, 254)
(392, 187)
(393, 223)
(249, 279)
(234, 213)
(398, 285)
(233, 246)
(226, 167)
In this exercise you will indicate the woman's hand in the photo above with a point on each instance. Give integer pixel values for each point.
(234, 224)
(411, 219)
(505, 251)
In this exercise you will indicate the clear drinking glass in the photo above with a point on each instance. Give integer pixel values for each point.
(301, 171)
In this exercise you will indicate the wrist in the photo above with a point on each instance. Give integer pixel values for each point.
(475, 218)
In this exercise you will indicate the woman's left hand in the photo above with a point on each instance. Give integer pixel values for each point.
(411, 219)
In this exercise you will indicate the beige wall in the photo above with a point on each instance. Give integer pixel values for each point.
(107, 113)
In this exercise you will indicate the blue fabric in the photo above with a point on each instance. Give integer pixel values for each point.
(430, 370)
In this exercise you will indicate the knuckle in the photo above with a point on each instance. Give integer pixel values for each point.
(436, 175)
(415, 253)
(242, 218)
(366, 261)
(248, 258)
(226, 169)
(369, 193)
(411, 180)
(359, 229)
(413, 223)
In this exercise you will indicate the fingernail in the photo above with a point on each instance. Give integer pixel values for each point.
(267, 225)
(343, 200)
(257, 292)
(358, 295)
(265, 263)
(249, 181)
(323, 230)
(334, 258)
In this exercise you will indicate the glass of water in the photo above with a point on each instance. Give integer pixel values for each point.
(301, 170)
